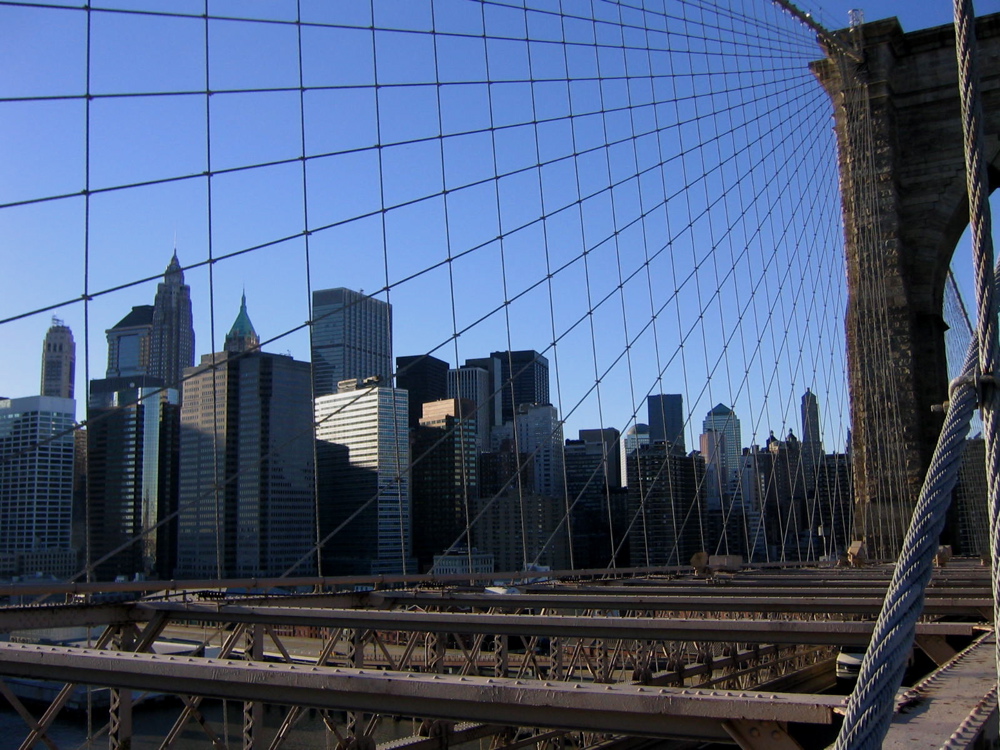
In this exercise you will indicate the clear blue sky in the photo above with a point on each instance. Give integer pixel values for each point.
(734, 291)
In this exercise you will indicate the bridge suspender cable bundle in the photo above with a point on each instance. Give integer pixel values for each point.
(873, 702)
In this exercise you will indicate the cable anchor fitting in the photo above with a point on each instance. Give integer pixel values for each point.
(979, 382)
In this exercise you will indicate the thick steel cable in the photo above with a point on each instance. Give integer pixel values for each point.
(871, 705)
(982, 253)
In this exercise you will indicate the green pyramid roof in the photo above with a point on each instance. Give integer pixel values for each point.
(242, 327)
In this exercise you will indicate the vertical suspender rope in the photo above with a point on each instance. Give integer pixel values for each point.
(870, 708)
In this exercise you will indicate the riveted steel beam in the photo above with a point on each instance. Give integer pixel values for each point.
(625, 709)
(678, 603)
(829, 632)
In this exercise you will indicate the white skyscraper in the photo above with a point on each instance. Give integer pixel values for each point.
(36, 480)
(635, 436)
(363, 458)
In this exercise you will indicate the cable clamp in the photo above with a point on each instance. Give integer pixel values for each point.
(979, 382)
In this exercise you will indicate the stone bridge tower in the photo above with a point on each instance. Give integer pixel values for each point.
(902, 173)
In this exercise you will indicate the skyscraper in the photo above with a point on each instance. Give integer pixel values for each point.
(363, 496)
(810, 419)
(425, 378)
(723, 420)
(171, 344)
(246, 462)
(351, 338)
(597, 502)
(667, 504)
(812, 444)
(666, 420)
(478, 385)
(524, 378)
(36, 482)
(634, 438)
(132, 447)
(58, 361)
(540, 434)
(129, 343)
(445, 482)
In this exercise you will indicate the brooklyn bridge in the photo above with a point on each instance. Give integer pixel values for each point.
(736, 202)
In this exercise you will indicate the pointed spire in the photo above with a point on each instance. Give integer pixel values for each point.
(242, 337)
(174, 274)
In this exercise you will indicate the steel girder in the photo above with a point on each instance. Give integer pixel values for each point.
(616, 708)
(804, 632)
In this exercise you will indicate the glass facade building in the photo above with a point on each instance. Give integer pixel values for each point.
(132, 444)
(351, 338)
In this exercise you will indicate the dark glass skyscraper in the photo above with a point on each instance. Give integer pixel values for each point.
(524, 376)
(172, 334)
(132, 444)
(129, 343)
(666, 420)
(351, 338)
(444, 478)
(425, 378)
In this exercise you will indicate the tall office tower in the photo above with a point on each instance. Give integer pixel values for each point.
(742, 529)
(129, 343)
(364, 502)
(36, 484)
(132, 468)
(524, 379)
(606, 442)
(247, 504)
(479, 385)
(598, 509)
(351, 338)
(713, 450)
(635, 437)
(172, 335)
(58, 361)
(667, 504)
(425, 378)
(445, 482)
(723, 420)
(810, 418)
(834, 503)
(666, 420)
(540, 434)
(782, 499)
(812, 442)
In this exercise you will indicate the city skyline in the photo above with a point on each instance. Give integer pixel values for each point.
(769, 406)
(141, 317)
(387, 221)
